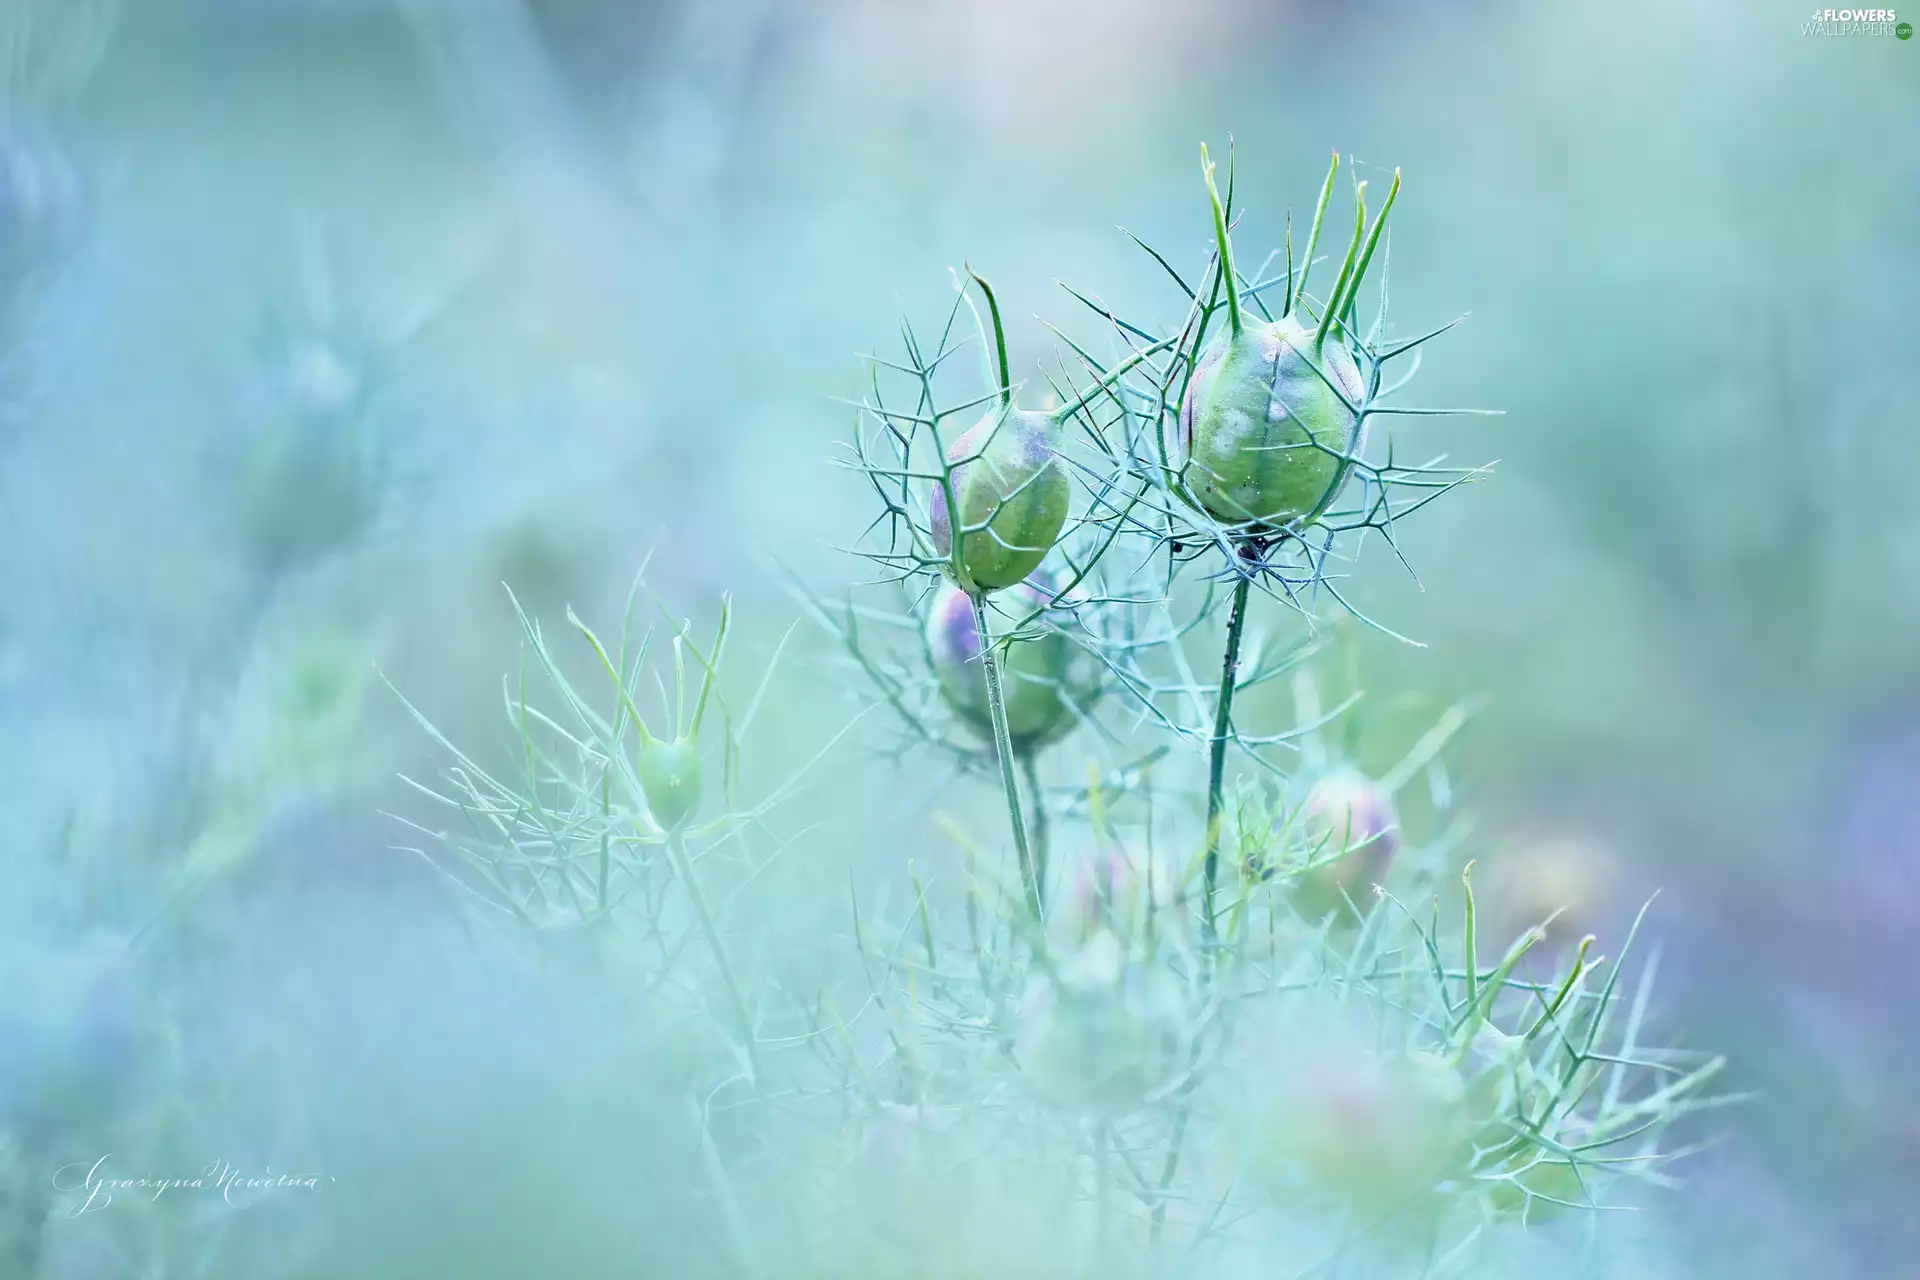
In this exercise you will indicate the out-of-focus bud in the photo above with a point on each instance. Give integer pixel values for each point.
(1106, 1032)
(1380, 1131)
(1530, 878)
(1049, 681)
(311, 477)
(1126, 891)
(1352, 834)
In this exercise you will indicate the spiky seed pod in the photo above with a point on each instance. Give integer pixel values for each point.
(1267, 438)
(1005, 481)
(1006, 478)
(1272, 420)
(670, 778)
(1011, 492)
(1048, 680)
(1353, 833)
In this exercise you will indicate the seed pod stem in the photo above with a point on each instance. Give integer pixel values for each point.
(1222, 727)
(1003, 748)
(1030, 763)
(999, 338)
(1228, 276)
(1313, 235)
(742, 1015)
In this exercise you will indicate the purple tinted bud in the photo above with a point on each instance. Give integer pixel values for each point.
(1352, 833)
(1048, 680)
(1012, 493)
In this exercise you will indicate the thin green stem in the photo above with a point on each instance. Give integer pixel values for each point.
(1171, 1166)
(1222, 729)
(1216, 803)
(1102, 1196)
(1030, 764)
(1003, 748)
(742, 1013)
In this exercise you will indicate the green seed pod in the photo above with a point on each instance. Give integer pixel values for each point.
(1012, 496)
(1267, 438)
(1048, 680)
(670, 777)
(1006, 477)
(1006, 481)
(1271, 423)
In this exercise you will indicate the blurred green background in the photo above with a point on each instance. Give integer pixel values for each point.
(542, 284)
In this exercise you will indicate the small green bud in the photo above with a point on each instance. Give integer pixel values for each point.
(1012, 494)
(670, 777)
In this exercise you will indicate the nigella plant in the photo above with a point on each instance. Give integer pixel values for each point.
(983, 507)
(1228, 1020)
(1212, 992)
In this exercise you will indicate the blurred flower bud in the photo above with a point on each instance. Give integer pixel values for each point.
(1012, 494)
(1352, 833)
(1377, 1130)
(1105, 1032)
(1126, 892)
(311, 480)
(1530, 878)
(1049, 681)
